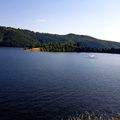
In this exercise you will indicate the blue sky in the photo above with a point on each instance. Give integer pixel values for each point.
(97, 18)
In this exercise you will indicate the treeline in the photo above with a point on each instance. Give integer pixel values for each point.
(69, 47)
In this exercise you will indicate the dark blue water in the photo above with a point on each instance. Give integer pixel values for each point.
(48, 86)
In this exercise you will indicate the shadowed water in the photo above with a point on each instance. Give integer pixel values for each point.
(49, 86)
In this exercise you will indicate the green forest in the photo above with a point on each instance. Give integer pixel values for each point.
(12, 37)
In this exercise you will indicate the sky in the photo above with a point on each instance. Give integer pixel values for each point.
(97, 18)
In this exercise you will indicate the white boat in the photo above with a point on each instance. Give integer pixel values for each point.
(92, 56)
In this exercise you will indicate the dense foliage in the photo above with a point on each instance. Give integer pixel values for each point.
(12, 37)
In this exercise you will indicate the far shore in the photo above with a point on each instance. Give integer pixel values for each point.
(40, 49)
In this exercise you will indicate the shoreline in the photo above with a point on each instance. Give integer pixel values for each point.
(38, 49)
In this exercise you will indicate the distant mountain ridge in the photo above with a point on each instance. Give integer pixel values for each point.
(13, 37)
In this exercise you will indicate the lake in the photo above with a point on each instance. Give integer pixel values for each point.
(51, 85)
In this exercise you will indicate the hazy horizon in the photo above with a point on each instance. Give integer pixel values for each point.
(99, 19)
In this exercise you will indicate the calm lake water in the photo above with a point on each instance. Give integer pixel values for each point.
(48, 86)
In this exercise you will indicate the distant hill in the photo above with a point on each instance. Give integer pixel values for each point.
(12, 37)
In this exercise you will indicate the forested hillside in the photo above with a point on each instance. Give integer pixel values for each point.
(11, 37)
